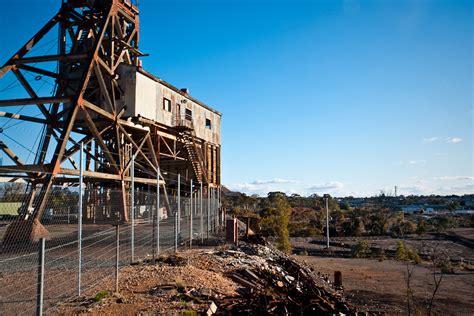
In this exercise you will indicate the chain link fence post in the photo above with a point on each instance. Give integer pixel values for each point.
(214, 226)
(196, 203)
(117, 256)
(217, 211)
(201, 215)
(221, 221)
(132, 204)
(158, 215)
(176, 232)
(79, 219)
(40, 288)
(179, 206)
(208, 210)
(211, 212)
(191, 215)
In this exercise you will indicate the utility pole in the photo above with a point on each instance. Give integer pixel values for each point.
(327, 221)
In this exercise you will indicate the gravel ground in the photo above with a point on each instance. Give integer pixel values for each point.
(152, 288)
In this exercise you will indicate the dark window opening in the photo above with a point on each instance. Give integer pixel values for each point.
(189, 114)
(208, 123)
(166, 104)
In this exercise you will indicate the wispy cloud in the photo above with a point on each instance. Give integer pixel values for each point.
(458, 189)
(454, 140)
(417, 162)
(467, 188)
(430, 139)
(328, 186)
(249, 188)
(273, 181)
(262, 187)
(413, 162)
(455, 178)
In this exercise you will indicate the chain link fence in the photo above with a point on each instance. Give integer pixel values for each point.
(81, 250)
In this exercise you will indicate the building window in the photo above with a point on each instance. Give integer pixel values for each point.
(189, 114)
(208, 124)
(166, 104)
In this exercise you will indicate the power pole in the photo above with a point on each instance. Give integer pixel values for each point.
(327, 222)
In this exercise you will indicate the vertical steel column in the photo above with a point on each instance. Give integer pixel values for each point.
(191, 216)
(179, 205)
(158, 215)
(201, 216)
(132, 203)
(40, 288)
(79, 219)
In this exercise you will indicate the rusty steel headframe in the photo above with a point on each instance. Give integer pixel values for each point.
(94, 38)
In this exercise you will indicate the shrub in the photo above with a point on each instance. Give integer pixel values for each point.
(421, 227)
(401, 251)
(361, 249)
(100, 296)
(413, 255)
(407, 253)
(381, 255)
(446, 266)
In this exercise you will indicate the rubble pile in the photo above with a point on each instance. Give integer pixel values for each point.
(273, 283)
(251, 279)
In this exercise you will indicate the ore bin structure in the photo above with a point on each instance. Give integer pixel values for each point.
(130, 125)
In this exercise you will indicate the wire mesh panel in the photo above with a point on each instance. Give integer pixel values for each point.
(19, 261)
(92, 258)
(18, 283)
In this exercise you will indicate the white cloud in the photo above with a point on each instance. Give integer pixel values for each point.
(454, 140)
(424, 187)
(458, 190)
(262, 187)
(328, 186)
(467, 188)
(273, 181)
(413, 162)
(417, 162)
(430, 139)
(455, 178)
(248, 188)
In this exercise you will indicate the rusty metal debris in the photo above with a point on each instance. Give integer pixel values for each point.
(272, 283)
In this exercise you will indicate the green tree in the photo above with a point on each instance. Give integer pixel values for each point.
(421, 226)
(378, 223)
(275, 219)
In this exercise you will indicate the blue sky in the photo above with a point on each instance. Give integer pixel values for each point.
(342, 97)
